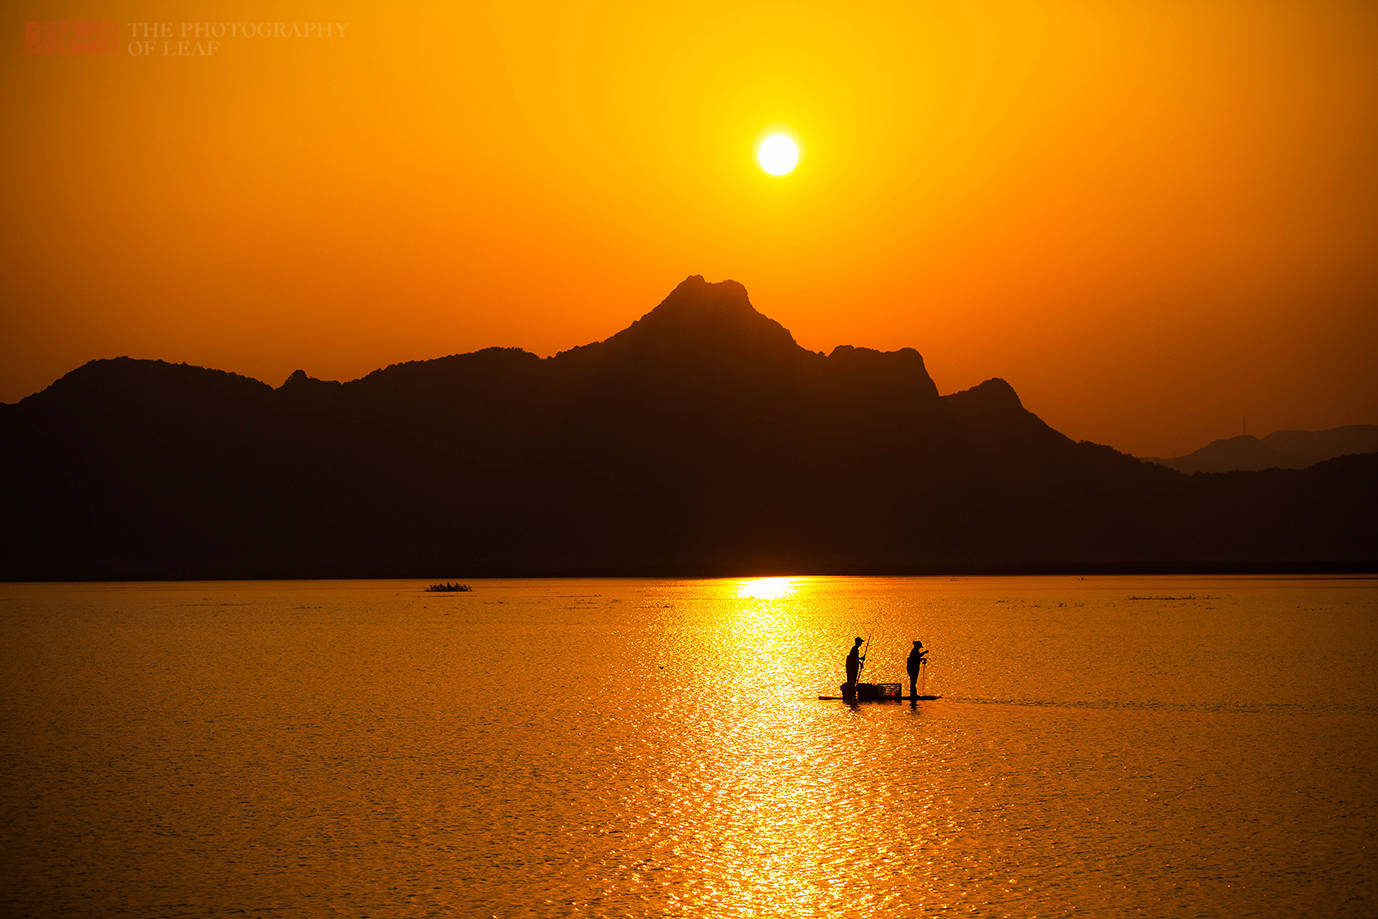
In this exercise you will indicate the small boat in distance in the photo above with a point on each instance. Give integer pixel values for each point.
(448, 588)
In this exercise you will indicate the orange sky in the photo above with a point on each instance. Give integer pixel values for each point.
(1151, 218)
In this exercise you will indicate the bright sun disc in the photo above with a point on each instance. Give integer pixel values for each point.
(777, 154)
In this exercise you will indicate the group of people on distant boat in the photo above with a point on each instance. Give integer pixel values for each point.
(856, 658)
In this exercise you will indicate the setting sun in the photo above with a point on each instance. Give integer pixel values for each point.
(777, 154)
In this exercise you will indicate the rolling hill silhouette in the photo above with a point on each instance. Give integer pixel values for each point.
(701, 439)
(1279, 450)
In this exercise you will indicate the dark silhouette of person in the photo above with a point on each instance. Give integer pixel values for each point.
(854, 660)
(917, 658)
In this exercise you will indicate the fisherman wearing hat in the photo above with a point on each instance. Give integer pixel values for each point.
(917, 658)
(854, 662)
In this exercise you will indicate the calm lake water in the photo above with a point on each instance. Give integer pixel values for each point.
(1104, 746)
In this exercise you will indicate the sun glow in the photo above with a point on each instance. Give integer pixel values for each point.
(766, 588)
(777, 154)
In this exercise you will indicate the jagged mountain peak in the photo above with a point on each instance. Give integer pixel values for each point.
(699, 313)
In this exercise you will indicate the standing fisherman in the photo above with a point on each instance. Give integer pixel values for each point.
(917, 658)
(854, 662)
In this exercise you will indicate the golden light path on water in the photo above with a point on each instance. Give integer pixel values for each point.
(777, 815)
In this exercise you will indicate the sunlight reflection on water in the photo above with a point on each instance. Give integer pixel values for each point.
(766, 588)
(634, 748)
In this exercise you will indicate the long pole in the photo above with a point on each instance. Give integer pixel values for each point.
(862, 663)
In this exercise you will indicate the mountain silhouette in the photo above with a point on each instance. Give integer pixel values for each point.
(1279, 450)
(702, 439)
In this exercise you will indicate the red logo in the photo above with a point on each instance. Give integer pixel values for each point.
(70, 37)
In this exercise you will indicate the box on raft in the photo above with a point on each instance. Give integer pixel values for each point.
(873, 692)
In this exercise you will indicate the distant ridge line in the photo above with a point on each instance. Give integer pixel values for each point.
(1287, 449)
